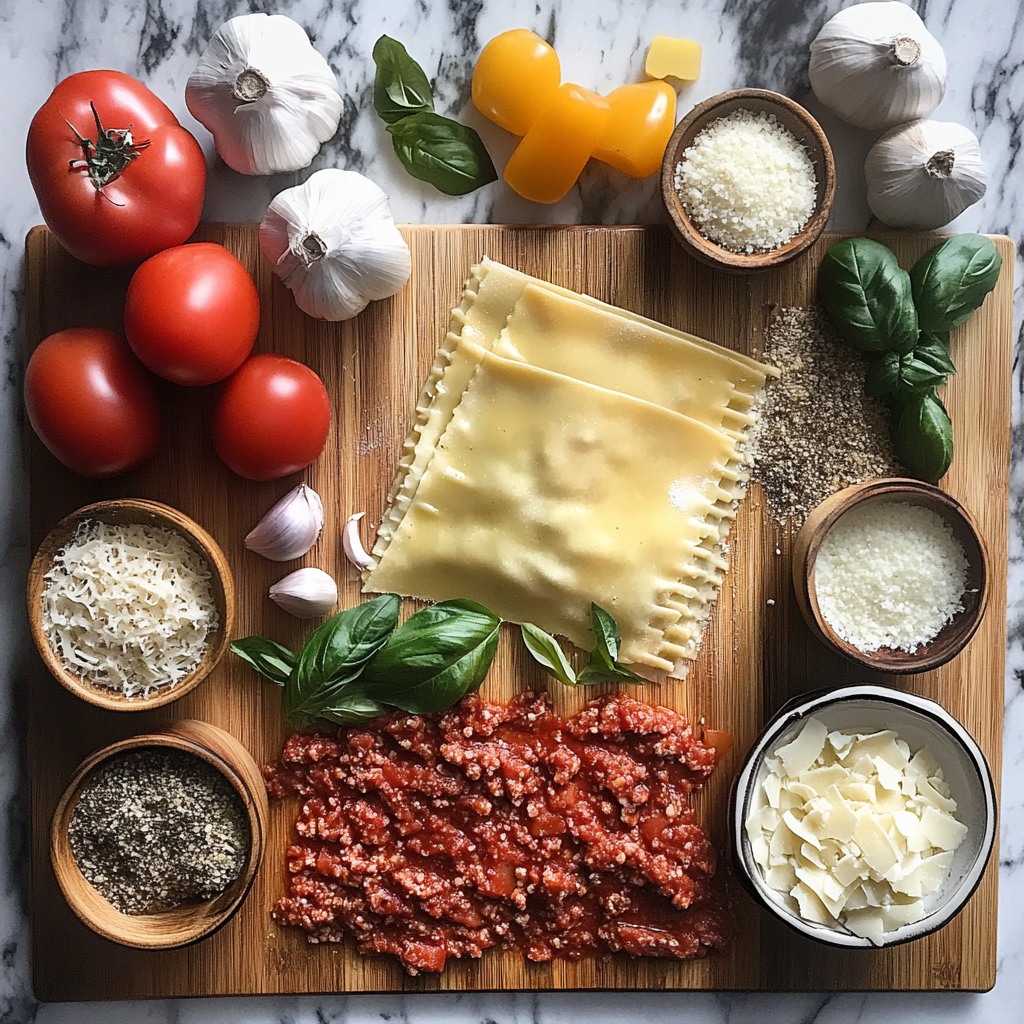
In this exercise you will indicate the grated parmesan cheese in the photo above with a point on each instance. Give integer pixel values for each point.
(746, 182)
(889, 574)
(129, 607)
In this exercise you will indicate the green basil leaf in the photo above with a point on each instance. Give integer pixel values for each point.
(606, 630)
(436, 657)
(883, 375)
(951, 281)
(351, 706)
(592, 673)
(604, 666)
(867, 297)
(448, 155)
(400, 87)
(933, 348)
(270, 659)
(918, 375)
(924, 437)
(546, 651)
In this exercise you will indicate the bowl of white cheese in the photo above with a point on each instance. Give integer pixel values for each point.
(863, 817)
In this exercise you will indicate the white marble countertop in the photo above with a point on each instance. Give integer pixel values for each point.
(601, 44)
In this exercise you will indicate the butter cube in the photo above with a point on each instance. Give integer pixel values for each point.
(673, 58)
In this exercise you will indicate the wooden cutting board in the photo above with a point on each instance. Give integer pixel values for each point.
(756, 654)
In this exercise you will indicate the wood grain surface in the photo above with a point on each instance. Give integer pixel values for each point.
(757, 652)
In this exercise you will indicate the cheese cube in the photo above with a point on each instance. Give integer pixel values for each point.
(673, 58)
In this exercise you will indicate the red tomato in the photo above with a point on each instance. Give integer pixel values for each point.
(192, 313)
(116, 176)
(272, 418)
(91, 402)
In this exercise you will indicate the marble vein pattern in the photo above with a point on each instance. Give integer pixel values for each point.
(601, 44)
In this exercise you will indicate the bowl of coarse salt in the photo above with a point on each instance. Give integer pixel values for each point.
(863, 817)
(892, 574)
(131, 604)
(748, 180)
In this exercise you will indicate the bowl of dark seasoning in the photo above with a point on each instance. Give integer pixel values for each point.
(157, 839)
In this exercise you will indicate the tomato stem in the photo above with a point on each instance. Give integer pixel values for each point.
(104, 159)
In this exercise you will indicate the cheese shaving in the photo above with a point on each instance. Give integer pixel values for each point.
(129, 608)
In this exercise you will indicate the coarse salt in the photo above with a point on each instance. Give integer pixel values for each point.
(747, 183)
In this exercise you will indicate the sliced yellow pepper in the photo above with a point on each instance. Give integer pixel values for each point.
(516, 76)
(642, 118)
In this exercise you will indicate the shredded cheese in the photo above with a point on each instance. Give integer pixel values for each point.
(129, 607)
(855, 827)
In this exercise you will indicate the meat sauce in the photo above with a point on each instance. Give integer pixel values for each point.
(437, 836)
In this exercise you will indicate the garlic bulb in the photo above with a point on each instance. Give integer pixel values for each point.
(876, 66)
(334, 243)
(290, 528)
(353, 545)
(305, 593)
(923, 174)
(268, 98)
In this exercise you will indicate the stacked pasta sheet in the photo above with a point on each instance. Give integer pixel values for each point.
(566, 452)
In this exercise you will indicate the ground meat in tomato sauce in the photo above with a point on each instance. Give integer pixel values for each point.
(437, 836)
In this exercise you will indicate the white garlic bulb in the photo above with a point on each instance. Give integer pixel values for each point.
(267, 97)
(923, 174)
(290, 528)
(876, 66)
(305, 593)
(334, 243)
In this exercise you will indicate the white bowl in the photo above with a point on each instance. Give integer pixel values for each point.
(921, 723)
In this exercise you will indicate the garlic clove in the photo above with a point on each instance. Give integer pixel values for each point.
(353, 545)
(267, 97)
(923, 174)
(290, 528)
(305, 593)
(334, 243)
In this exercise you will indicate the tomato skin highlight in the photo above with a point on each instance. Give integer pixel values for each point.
(156, 200)
(192, 313)
(92, 403)
(272, 418)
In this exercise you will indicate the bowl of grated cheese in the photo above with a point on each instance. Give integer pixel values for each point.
(892, 574)
(747, 180)
(131, 603)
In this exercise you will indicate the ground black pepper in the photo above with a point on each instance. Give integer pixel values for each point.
(156, 827)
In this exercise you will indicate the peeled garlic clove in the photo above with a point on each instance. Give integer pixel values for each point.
(290, 528)
(305, 593)
(353, 545)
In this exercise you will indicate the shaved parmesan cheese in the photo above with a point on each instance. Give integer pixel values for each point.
(866, 830)
(129, 607)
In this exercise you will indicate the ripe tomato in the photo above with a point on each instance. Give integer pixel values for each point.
(91, 402)
(272, 418)
(116, 176)
(192, 313)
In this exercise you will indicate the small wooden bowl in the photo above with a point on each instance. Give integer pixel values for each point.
(190, 921)
(805, 130)
(120, 512)
(953, 637)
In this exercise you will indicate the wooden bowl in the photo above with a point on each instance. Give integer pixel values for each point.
(953, 637)
(188, 922)
(120, 512)
(807, 132)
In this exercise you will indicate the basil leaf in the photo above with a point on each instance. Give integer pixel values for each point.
(917, 375)
(546, 651)
(883, 375)
(606, 630)
(924, 437)
(448, 155)
(933, 348)
(951, 281)
(435, 658)
(868, 297)
(351, 706)
(604, 666)
(591, 674)
(270, 659)
(400, 87)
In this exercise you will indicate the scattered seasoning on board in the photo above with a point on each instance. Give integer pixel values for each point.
(154, 828)
(818, 430)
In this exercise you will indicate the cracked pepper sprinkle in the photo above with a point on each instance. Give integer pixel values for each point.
(818, 430)
(154, 828)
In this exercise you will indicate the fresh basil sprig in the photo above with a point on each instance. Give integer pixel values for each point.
(951, 281)
(603, 666)
(435, 149)
(924, 437)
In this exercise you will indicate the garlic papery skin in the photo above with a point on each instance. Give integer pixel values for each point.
(876, 66)
(334, 243)
(290, 528)
(305, 593)
(353, 544)
(267, 97)
(923, 174)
